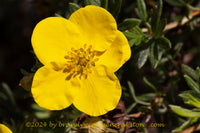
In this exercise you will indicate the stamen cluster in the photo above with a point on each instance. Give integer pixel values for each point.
(80, 61)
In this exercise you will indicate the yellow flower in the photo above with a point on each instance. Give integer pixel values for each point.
(4, 129)
(80, 56)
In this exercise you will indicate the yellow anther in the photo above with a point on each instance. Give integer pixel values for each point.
(84, 46)
(81, 50)
(67, 57)
(93, 63)
(80, 61)
(96, 59)
(89, 70)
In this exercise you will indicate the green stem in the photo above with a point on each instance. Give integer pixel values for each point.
(148, 27)
(130, 108)
(193, 8)
(132, 90)
(142, 102)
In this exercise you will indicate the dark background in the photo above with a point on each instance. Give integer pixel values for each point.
(18, 18)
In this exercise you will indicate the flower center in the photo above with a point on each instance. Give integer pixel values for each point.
(80, 61)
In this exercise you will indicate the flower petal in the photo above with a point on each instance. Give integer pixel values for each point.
(97, 26)
(117, 54)
(50, 89)
(4, 129)
(53, 37)
(99, 93)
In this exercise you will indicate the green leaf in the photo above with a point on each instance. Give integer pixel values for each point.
(142, 9)
(24, 72)
(185, 125)
(115, 7)
(155, 50)
(184, 112)
(132, 90)
(159, 28)
(143, 56)
(136, 36)
(189, 71)
(37, 65)
(88, 2)
(67, 14)
(145, 110)
(198, 74)
(187, 1)
(129, 23)
(137, 29)
(178, 48)
(73, 7)
(154, 55)
(3, 96)
(163, 42)
(193, 93)
(156, 17)
(194, 86)
(190, 100)
(130, 108)
(129, 35)
(146, 96)
(175, 3)
(9, 92)
(104, 4)
(132, 42)
(141, 47)
(42, 115)
(58, 15)
(149, 84)
(93, 2)
(37, 107)
(137, 39)
(159, 10)
(193, 101)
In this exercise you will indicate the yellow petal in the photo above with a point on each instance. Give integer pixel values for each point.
(117, 54)
(4, 129)
(50, 89)
(53, 37)
(97, 26)
(99, 93)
